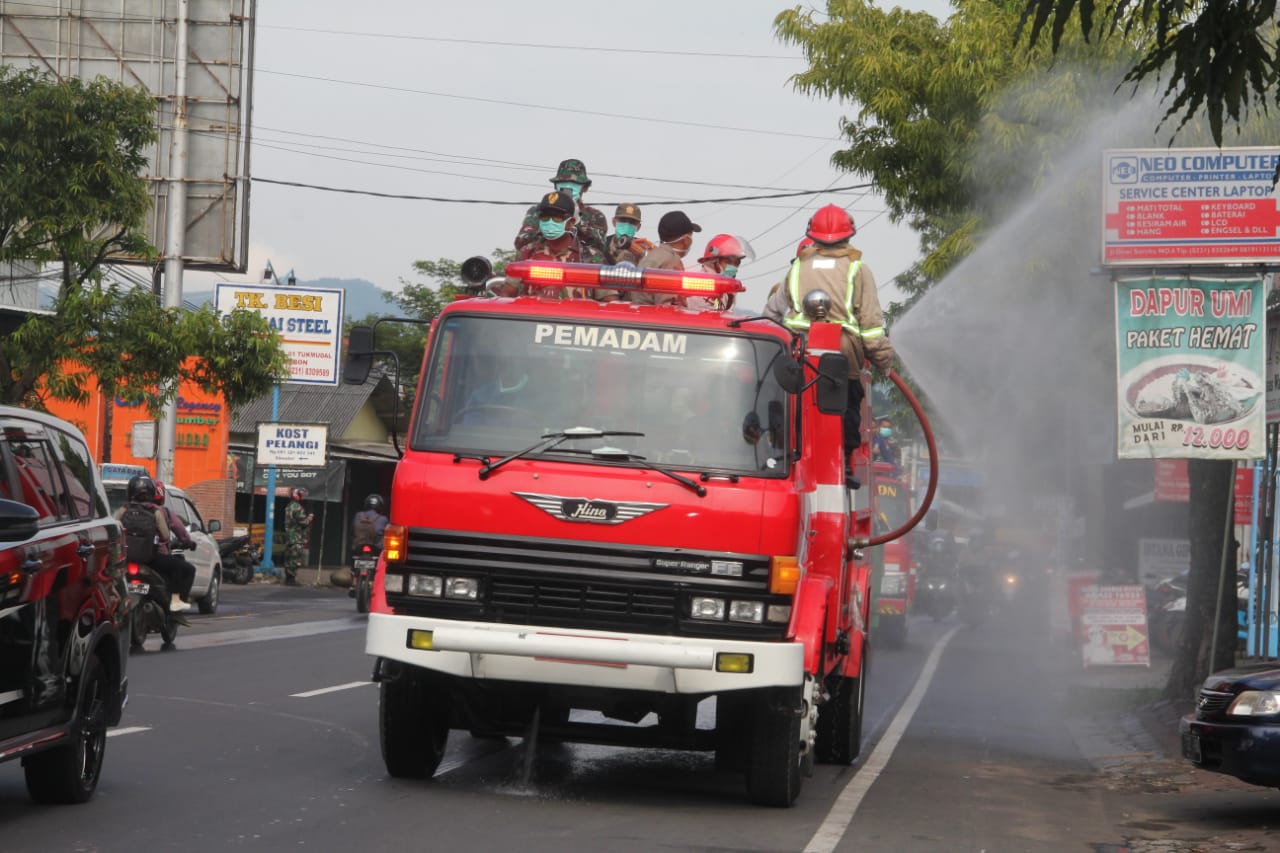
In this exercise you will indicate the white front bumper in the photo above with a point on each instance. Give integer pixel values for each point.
(607, 659)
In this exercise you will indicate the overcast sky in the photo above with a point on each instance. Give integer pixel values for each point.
(482, 101)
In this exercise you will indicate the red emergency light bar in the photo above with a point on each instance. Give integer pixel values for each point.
(622, 277)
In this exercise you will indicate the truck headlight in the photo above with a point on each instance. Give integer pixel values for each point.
(1255, 703)
(706, 608)
(467, 589)
(746, 611)
(393, 583)
(429, 586)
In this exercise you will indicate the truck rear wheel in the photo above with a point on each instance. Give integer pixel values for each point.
(413, 725)
(840, 720)
(893, 630)
(773, 765)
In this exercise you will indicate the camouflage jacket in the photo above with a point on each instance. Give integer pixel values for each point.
(572, 252)
(295, 523)
(592, 227)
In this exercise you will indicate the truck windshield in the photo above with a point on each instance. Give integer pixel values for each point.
(701, 401)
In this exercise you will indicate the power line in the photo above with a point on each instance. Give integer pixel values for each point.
(571, 110)
(693, 54)
(525, 203)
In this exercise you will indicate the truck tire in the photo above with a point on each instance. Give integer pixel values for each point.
(773, 766)
(893, 630)
(839, 732)
(413, 725)
(69, 773)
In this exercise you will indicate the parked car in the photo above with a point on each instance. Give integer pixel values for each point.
(206, 557)
(1236, 725)
(63, 650)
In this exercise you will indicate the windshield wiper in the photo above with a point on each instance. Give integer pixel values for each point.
(628, 456)
(549, 441)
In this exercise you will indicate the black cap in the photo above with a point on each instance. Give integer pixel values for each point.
(674, 225)
(557, 202)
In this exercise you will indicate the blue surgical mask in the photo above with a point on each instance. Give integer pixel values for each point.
(551, 229)
(886, 431)
(627, 229)
(572, 189)
(730, 270)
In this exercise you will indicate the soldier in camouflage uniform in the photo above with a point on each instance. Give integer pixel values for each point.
(297, 524)
(570, 178)
(556, 240)
(623, 244)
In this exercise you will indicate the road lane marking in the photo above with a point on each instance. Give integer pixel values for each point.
(846, 805)
(129, 730)
(272, 632)
(323, 690)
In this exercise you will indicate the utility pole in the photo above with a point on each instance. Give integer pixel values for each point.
(175, 235)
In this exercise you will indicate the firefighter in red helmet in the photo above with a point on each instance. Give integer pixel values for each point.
(836, 268)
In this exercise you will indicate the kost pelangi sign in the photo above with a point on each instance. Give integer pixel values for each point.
(294, 445)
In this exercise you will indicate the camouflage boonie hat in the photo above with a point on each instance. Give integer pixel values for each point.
(627, 211)
(572, 170)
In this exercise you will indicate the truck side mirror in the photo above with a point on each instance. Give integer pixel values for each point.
(359, 355)
(833, 383)
(789, 375)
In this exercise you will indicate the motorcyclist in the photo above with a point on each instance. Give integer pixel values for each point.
(369, 523)
(141, 492)
(178, 569)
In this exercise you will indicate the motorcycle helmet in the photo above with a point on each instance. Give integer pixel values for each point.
(375, 503)
(159, 493)
(141, 489)
(831, 224)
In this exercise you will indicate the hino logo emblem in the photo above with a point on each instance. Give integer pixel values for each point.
(589, 509)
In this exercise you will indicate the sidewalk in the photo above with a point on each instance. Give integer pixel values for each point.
(315, 576)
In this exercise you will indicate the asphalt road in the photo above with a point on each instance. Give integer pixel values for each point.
(260, 733)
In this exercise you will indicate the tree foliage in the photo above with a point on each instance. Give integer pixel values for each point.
(71, 195)
(1218, 58)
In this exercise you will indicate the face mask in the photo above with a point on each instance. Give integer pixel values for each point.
(730, 270)
(886, 431)
(574, 190)
(626, 229)
(682, 250)
(551, 229)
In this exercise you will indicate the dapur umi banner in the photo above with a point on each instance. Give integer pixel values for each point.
(1191, 365)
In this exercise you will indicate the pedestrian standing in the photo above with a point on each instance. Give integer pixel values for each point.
(297, 535)
(571, 179)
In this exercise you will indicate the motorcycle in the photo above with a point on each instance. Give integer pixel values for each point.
(149, 611)
(937, 588)
(240, 556)
(364, 562)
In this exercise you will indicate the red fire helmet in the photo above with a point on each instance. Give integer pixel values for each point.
(831, 225)
(803, 244)
(723, 246)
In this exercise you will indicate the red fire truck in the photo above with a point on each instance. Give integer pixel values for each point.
(608, 513)
(897, 589)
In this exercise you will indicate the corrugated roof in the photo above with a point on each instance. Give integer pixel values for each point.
(335, 405)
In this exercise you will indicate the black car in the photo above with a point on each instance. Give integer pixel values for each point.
(1236, 726)
(62, 602)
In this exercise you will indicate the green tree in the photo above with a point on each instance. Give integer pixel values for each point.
(72, 195)
(1218, 58)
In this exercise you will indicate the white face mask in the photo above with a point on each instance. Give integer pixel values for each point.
(687, 241)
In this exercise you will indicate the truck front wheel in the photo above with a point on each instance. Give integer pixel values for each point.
(413, 725)
(773, 765)
(839, 733)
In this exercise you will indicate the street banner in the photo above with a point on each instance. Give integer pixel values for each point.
(293, 445)
(1180, 206)
(1190, 361)
(1113, 622)
(309, 320)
